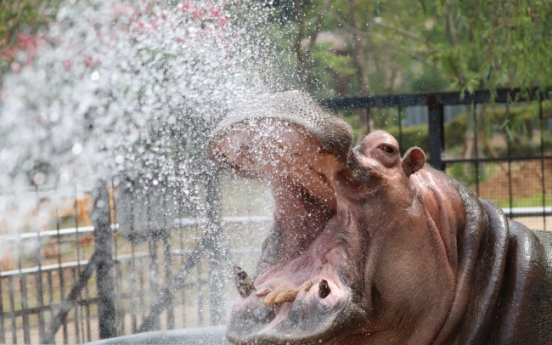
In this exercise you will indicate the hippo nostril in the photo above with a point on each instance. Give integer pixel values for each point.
(323, 289)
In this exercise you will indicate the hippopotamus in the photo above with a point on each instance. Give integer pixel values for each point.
(368, 247)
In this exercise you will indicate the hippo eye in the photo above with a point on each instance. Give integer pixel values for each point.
(386, 148)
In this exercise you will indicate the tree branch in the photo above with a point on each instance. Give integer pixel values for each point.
(301, 61)
(360, 64)
(318, 26)
(410, 35)
(451, 32)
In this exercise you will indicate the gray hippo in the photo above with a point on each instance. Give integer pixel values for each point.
(371, 248)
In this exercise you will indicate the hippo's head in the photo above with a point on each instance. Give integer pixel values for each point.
(353, 251)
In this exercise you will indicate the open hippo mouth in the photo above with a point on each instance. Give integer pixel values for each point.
(302, 291)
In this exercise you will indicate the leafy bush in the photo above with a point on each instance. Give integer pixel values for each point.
(411, 136)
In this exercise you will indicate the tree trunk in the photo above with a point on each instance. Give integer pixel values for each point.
(301, 58)
(360, 66)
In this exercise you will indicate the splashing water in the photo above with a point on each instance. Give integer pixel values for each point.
(127, 88)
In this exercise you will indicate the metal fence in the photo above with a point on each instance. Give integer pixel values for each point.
(90, 281)
(113, 264)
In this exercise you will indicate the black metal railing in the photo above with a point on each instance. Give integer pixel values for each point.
(435, 103)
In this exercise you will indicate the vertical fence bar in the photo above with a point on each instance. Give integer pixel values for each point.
(154, 285)
(509, 154)
(12, 309)
(2, 328)
(75, 273)
(61, 276)
(217, 248)
(88, 315)
(200, 297)
(121, 311)
(118, 272)
(38, 277)
(401, 148)
(77, 210)
(104, 278)
(51, 297)
(543, 183)
(437, 132)
(181, 256)
(476, 145)
(132, 278)
(168, 277)
(153, 268)
(141, 285)
(22, 291)
(168, 265)
(132, 273)
(25, 308)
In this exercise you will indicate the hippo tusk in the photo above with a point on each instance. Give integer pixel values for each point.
(243, 282)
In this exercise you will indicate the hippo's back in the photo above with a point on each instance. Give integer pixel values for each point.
(545, 238)
(525, 308)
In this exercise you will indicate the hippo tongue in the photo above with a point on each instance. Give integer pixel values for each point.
(298, 148)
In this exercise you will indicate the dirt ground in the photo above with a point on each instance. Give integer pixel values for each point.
(526, 180)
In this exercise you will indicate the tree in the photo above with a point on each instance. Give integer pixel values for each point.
(20, 24)
(429, 46)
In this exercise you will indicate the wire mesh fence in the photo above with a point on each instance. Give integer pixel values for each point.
(41, 268)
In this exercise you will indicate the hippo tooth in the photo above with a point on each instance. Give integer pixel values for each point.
(269, 299)
(323, 289)
(278, 295)
(243, 282)
(287, 296)
(307, 285)
(263, 292)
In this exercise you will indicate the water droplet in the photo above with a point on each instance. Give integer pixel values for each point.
(77, 148)
(95, 76)
(4, 154)
(64, 178)
(39, 178)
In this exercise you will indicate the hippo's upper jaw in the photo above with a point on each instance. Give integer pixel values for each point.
(332, 264)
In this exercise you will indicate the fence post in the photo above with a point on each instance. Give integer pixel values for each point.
(216, 249)
(436, 132)
(104, 279)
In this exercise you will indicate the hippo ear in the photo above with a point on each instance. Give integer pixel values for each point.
(413, 160)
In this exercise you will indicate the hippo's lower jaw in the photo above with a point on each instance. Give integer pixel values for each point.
(302, 299)
(316, 314)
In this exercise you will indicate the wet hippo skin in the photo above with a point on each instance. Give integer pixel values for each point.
(368, 247)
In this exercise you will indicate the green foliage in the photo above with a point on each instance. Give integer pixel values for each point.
(424, 45)
(522, 123)
(531, 201)
(411, 136)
